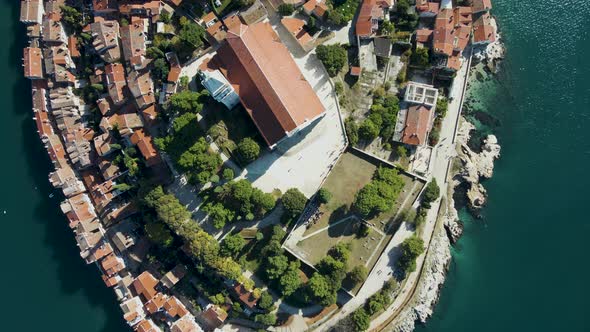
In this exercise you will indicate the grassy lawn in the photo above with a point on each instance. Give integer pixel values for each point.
(338, 224)
(350, 174)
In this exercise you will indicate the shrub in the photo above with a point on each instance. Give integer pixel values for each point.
(248, 150)
(294, 201)
(412, 247)
(351, 131)
(368, 130)
(430, 194)
(324, 195)
(333, 57)
(286, 9)
(228, 174)
(361, 320)
(358, 274)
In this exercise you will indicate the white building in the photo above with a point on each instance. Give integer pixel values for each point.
(219, 88)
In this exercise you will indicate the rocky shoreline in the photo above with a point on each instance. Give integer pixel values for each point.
(472, 168)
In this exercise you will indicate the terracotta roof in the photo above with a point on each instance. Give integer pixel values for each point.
(144, 7)
(78, 209)
(146, 147)
(320, 10)
(271, 87)
(245, 297)
(174, 307)
(144, 285)
(150, 115)
(483, 30)
(102, 143)
(217, 31)
(423, 35)
(133, 39)
(106, 39)
(309, 6)
(104, 6)
(142, 87)
(232, 21)
(481, 5)
(355, 71)
(364, 26)
(418, 125)
(30, 11)
(155, 303)
(175, 68)
(452, 30)
(185, 324)
(115, 80)
(101, 251)
(132, 309)
(32, 62)
(108, 169)
(111, 265)
(295, 27)
(53, 30)
(73, 46)
(146, 326)
(209, 19)
(213, 317)
(44, 127)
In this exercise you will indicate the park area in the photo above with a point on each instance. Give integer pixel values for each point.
(336, 221)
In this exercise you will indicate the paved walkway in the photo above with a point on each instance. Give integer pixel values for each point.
(384, 268)
(443, 153)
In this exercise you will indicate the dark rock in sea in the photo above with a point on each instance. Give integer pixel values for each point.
(487, 119)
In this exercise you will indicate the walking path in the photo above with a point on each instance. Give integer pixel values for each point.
(384, 268)
(443, 154)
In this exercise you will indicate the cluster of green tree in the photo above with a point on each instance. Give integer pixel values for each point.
(382, 116)
(333, 57)
(352, 131)
(412, 247)
(72, 18)
(323, 286)
(203, 248)
(238, 200)
(187, 102)
(430, 194)
(342, 11)
(379, 195)
(361, 318)
(248, 150)
(324, 196)
(281, 272)
(294, 202)
(442, 106)
(387, 28)
(286, 9)
(127, 159)
(420, 57)
(188, 38)
(188, 148)
(405, 20)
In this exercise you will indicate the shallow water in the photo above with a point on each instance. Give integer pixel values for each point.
(525, 266)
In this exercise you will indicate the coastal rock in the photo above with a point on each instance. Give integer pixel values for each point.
(439, 256)
(476, 166)
(453, 225)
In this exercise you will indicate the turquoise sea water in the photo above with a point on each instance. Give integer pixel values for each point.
(525, 266)
(45, 284)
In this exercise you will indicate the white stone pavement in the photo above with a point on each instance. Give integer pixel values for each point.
(304, 160)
